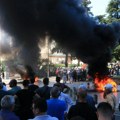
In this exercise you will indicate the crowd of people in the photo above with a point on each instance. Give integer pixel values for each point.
(32, 102)
(114, 68)
(72, 74)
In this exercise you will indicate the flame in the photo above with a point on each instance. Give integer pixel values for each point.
(100, 83)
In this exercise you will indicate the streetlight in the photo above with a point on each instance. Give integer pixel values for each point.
(47, 42)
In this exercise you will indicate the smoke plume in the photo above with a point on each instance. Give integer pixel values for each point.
(67, 22)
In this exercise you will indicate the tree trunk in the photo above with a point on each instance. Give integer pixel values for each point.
(66, 59)
(78, 62)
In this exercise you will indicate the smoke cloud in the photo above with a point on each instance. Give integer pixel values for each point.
(67, 22)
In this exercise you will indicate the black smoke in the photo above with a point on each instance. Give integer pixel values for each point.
(67, 22)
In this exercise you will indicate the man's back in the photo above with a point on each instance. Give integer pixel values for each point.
(56, 108)
(82, 109)
(44, 92)
(25, 98)
(7, 115)
(33, 87)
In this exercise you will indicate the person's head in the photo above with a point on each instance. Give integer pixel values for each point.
(13, 83)
(32, 80)
(82, 87)
(55, 92)
(104, 111)
(59, 86)
(39, 106)
(108, 88)
(8, 102)
(46, 81)
(58, 79)
(25, 83)
(82, 93)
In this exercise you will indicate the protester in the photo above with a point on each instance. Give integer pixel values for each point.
(109, 97)
(64, 87)
(14, 87)
(32, 87)
(24, 97)
(104, 111)
(3, 92)
(65, 97)
(56, 107)
(39, 108)
(7, 107)
(44, 91)
(82, 108)
(89, 98)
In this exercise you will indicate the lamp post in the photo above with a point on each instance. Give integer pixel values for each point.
(47, 42)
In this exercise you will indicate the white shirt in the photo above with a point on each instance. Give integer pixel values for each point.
(67, 99)
(44, 117)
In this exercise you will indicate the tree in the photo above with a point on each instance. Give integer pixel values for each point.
(86, 4)
(101, 19)
(113, 11)
(116, 53)
(58, 48)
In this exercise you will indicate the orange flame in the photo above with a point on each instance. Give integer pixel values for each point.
(100, 83)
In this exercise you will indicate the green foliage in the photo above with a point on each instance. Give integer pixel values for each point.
(113, 11)
(2, 66)
(60, 65)
(86, 4)
(102, 19)
(116, 53)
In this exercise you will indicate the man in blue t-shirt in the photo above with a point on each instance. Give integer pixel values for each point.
(56, 107)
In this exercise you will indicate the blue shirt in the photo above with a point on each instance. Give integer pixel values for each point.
(14, 90)
(8, 115)
(56, 108)
(91, 101)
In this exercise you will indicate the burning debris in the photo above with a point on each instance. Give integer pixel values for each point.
(65, 21)
(101, 83)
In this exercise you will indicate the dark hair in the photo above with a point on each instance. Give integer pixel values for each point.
(32, 79)
(13, 83)
(7, 102)
(40, 103)
(46, 81)
(25, 83)
(55, 92)
(105, 109)
(82, 94)
(77, 118)
(58, 79)
(58, 85)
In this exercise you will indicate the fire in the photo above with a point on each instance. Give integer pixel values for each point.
(100, 83)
